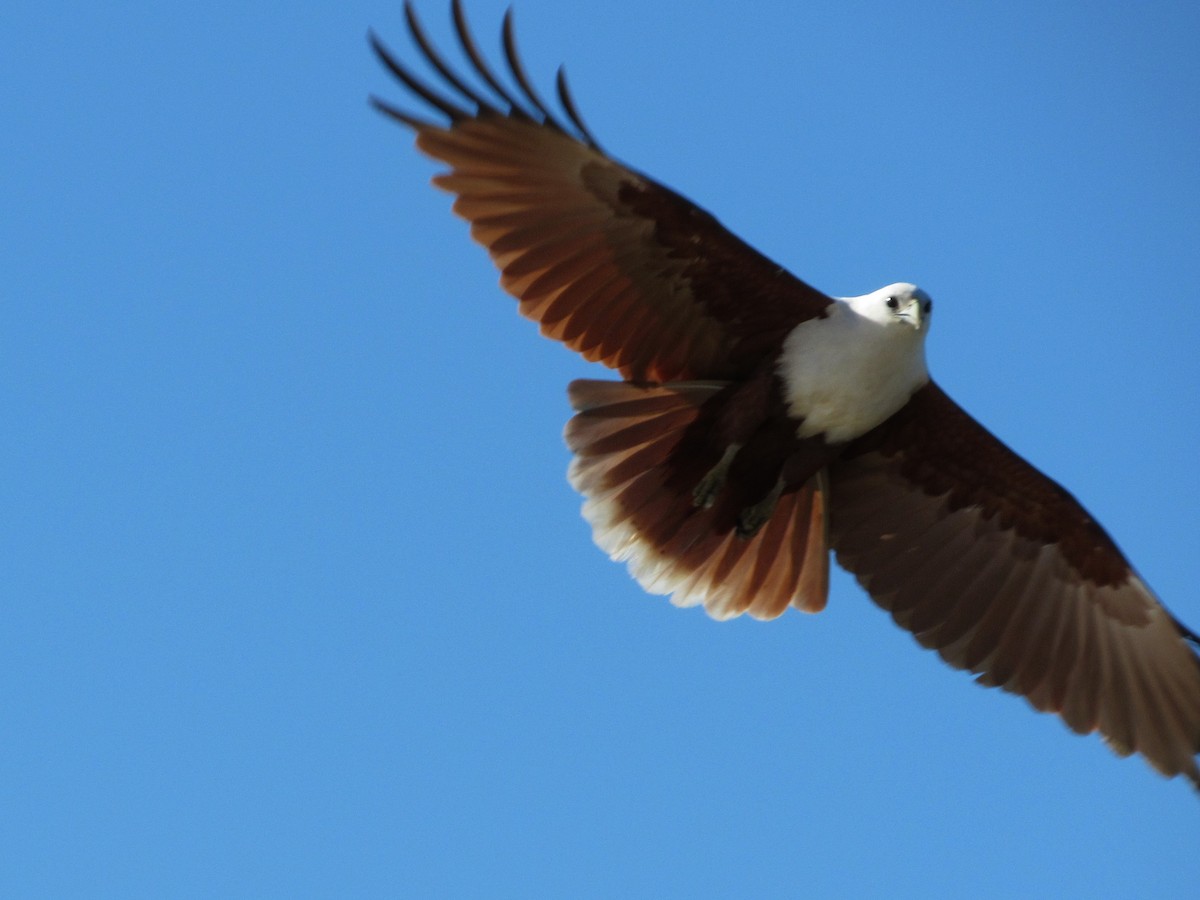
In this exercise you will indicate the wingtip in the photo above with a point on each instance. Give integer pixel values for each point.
(568, 104)
(524, 104)
(375, 43)
(399, 115)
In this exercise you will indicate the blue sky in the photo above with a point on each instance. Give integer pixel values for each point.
(297, 598)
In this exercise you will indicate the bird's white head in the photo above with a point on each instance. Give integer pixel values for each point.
(897, 304)
(847, 372)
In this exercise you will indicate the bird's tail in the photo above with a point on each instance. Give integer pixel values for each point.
(639, 454)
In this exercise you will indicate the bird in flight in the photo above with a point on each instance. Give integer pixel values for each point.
(760, 424)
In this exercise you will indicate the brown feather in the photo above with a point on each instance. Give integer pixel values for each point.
(1013, 580)
(554, 212)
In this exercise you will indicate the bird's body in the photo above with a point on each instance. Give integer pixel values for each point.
(761, 424)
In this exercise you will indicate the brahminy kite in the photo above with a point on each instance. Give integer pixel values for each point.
(761, 423)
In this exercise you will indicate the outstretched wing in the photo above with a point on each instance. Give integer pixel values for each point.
(999, 569)
(604, 259)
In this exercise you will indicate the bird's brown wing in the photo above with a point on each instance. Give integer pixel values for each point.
(606, 260)
(999, 569)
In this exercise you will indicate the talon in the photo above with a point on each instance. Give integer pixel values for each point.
(704, 494)
(754, 517)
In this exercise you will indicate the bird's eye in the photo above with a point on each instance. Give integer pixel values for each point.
(928, 307)
(892, 303)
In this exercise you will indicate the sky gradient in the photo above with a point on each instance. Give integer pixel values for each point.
(297, 598)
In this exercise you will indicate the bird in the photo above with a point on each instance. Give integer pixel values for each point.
(761, 426)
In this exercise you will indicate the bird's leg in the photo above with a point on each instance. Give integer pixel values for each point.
(705, 493)
(754, 517)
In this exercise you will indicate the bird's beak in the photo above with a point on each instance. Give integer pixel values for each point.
(912, 315)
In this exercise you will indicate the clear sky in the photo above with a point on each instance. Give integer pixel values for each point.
(296, 598)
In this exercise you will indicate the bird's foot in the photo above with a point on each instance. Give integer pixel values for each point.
(705, 493)
(754, 517)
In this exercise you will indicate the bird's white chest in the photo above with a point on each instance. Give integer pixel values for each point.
(845, 374)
